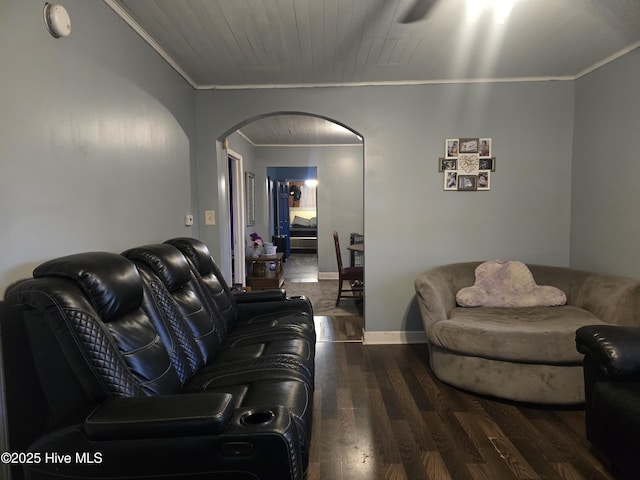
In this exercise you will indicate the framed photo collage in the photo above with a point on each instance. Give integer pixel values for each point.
(467, 164)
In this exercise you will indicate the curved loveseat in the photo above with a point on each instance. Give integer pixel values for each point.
(524, 354)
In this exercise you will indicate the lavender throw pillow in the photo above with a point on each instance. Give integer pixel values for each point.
(501, 283)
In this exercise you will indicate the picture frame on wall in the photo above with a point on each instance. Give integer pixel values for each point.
(250, 198)
(451, 147)
(467, 164)
(487, 163)
(467, 182)
(484, 147)
(469, 145)
(446, 164)
(450, 180)
(484, 180)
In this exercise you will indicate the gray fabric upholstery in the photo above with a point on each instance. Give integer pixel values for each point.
(522, 354)
(532, 335)
(508, 283)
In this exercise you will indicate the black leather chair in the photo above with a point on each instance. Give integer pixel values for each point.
(353, 275)
(612, 395)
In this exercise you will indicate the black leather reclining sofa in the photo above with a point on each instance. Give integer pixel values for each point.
(145, 365)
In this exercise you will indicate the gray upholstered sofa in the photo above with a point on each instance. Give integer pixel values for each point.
(524, 354)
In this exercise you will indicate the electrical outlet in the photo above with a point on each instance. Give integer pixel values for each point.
(209, 217)
(188, 220)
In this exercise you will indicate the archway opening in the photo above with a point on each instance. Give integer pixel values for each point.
(295, 142)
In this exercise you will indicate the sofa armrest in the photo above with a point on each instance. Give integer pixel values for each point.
(180, 415)
(269, 295)
(614, 350)
(249, 310)
(436, 298)
(255, 443)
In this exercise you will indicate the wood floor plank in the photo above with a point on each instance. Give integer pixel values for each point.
(394, 472)
(434, 466)
(454, 458)
(408, 448)
(370, 459)
(330, 465)
(497, 453)
(571, 450)
(382, 428)
(566, 471)
(410, 410)
(527, 439)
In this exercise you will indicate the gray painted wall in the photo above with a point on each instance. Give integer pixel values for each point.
(95, 138)
(410, 223)
(605, 225)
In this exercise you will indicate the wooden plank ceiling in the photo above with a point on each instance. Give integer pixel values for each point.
(280, 43)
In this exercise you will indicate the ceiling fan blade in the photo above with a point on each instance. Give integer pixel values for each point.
(418, 11)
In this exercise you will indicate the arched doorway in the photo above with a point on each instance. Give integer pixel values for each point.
(304, 141)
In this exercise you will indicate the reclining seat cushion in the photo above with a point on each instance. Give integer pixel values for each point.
(109, 323)
(207, 321)
(210, 277)
(170, 266)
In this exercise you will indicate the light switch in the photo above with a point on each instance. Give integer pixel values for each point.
(188, 220)
(209, 217)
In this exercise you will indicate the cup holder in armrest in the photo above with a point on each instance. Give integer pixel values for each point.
(257, 417)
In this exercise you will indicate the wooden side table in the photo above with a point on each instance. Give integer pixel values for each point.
(265, 271)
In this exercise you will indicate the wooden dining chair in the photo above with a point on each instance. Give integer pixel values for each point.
(353, 275)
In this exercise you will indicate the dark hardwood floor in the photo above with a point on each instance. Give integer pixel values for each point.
(379, 413)
(342, 328)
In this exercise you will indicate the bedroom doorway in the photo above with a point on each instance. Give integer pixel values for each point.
(303, 230)
(296, 218)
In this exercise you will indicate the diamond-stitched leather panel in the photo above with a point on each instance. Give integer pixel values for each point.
(166, 263)
(103, 355)
(209, 275)
(187, 358)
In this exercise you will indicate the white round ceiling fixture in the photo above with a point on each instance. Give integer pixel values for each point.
(57, 20)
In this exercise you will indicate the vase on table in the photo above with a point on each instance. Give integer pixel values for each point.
(254, 251)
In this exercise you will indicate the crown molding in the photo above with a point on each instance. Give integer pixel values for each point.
(122, 13)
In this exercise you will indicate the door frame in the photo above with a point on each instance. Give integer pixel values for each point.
(236, 207)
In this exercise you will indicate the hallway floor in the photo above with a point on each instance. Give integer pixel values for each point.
(301, 267)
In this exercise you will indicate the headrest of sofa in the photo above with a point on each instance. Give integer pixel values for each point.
(165, 261)
(111, 282)
(196, 251)
(501, 283)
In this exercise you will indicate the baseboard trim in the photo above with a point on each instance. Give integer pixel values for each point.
(327, 275)
(392, 338)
